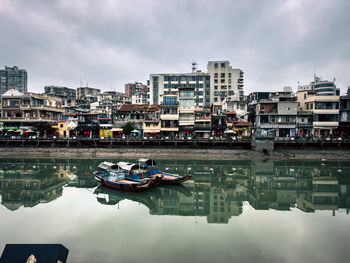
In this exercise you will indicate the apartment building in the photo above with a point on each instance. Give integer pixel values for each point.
(321, 99)
(171, 83)
(225, 82)
(13, 78)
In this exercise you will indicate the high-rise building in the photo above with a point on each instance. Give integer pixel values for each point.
(225, 82)
(13, 78)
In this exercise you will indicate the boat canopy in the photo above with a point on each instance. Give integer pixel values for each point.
(108, 166)
(128, 166)
(147, 162)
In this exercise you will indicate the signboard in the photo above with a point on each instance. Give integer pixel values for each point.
(10, 128)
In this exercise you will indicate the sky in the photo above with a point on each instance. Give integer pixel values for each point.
(107, 43)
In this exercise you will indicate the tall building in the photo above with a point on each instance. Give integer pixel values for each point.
(13, 78)
(161, 84)
(225, 82)
(135, 88)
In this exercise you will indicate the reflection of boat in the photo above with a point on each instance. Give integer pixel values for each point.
(150, 199)
(108, 174)
(166, 178)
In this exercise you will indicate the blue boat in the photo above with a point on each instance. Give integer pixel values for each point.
(109, 175)
(152, 171)
(134, 171)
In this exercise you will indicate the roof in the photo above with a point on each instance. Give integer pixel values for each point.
(128, 166)
(139, 107)
(12, 93)
(146, 161)
(108, 166)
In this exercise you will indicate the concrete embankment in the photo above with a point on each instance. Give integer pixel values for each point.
(172, 153)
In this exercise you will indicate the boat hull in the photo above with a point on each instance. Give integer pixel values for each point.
(125, 185)
(167, 179)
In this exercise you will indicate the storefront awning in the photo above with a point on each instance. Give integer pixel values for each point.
(151, 131)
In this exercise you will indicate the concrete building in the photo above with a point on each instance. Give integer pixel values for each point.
(139, 98)
(171, 83)
(321, 98)
(169, 115)
(186, 111)
(225, 82)
(23, 110)
(68, 96)
(83, 92)
(202, 123)
(277, 115)
(13, 78)
(135, 88)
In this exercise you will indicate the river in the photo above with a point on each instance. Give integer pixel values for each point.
(230, 211)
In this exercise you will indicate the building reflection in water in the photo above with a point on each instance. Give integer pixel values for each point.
(217, 190)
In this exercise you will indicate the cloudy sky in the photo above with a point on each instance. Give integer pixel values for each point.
(107, 43)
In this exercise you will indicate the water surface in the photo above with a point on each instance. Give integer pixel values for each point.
(231, 211)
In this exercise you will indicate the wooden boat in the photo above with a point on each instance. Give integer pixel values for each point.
(108, 174)
(166, 178)
(134, 171)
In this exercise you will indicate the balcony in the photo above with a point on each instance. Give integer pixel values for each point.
(169, 117)
(41, 107)
(30, 119)
(325, 124)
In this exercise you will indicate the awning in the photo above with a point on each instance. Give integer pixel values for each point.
(30, 130)
(134, 131)
(151, 131)
(230, 132)
(117, 129)
(19, 130)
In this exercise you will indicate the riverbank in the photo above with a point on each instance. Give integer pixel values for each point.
(172, 153)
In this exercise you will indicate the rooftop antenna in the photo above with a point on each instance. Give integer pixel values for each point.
(194, 67)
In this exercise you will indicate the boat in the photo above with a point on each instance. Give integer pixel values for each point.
(166, 178)
(109, 175)
(134, 171)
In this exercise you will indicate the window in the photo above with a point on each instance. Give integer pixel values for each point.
(222, 75)
(222, 80)
(215, 75)
(215, 87)
(222, 65)
(215, 81)
(61, 125)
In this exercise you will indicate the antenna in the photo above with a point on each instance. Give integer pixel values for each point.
(194, 67)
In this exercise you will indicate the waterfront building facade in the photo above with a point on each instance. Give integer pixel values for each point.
(202, 123)
(321, 97)
(344, 114)
(169, 115)
(225, 82)
(171, 83)
(277, 115)
(13, 78)
(23, 110)
(186, 111)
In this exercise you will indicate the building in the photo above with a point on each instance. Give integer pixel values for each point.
(186, 111)
(139, 98)
(23, 110)
(202, 123)
(171, 83)
(169, 115)
(344, 114)
(134, 114)
(321, 99)
(83, 92)
(277, 115)
(135, 88)
(225, 82)
(13, 78)
(61, 92)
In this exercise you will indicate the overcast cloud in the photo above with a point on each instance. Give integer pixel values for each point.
(107, 43)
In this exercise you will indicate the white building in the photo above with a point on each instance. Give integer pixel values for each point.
(225, 82)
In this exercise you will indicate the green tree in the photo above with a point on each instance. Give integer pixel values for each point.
(127, 128)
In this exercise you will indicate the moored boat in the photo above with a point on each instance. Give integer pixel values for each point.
(109, 174)
(135, 171)
(166, 178)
